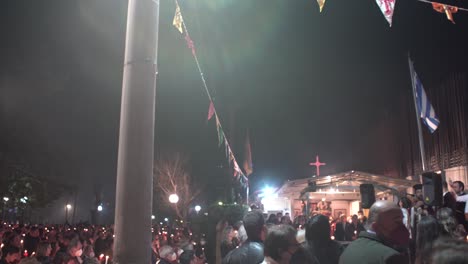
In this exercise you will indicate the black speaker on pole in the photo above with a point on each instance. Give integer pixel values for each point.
(367, 195)
(432, 188)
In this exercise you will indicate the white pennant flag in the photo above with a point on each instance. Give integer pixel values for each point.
(387, 7)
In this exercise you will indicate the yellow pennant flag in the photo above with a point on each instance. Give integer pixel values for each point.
(448, 10)
(178, 20)
(321, 3)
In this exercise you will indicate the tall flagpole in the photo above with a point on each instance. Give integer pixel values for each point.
(134, 190)
(418, 118)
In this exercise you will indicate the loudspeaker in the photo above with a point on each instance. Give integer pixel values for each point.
(432, 188)
(367, 195)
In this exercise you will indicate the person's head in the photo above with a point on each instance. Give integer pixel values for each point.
(272, 218)
(254, 225)
(458, 187)
(428, 231)
(75, 248)
(418, 191)
(386, 220)
(11, 254)
(354, 219)
(14, 239)
(285, 220)
(167, 252)
(360, 213)
(343, 218)
(44, 249)
(228, 234)
(280, 243)
(449, 250)
(89, 251)
(447, 220)
(318, 229)
(404, 202)
(279, 215)
(34, 231)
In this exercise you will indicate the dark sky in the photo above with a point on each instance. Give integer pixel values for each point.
(302, 82)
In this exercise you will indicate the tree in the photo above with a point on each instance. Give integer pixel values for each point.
(171, 175)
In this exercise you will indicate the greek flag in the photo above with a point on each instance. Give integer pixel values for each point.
(425, 109)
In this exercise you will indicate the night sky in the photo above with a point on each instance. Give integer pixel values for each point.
(302, 82)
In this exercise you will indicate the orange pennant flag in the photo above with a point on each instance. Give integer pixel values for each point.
(447, 9)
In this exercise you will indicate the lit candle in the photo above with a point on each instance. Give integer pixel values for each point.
(107, 259)
(332, 238)
(1, 246)
(355, 232)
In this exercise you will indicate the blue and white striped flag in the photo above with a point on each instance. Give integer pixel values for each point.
(425, 109)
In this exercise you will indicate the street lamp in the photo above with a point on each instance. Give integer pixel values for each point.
(173, 198)
(67, 207)
(197, 208)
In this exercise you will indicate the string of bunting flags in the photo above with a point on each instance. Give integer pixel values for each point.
(179, 23)
(388, 6)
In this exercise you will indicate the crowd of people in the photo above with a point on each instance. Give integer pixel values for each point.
(408, 232)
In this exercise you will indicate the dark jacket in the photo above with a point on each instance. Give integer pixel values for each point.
(350, 228)
(44, 259)
(249, 253)
(368, 248)
(327, 252)
(340, 231)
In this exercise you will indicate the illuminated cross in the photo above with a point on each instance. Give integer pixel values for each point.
(317, 164)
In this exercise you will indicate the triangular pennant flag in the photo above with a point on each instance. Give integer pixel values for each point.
(178, 20)
(226, 146)
(248, 156)
(231, 155)
(447, 9)
(190, 44)
(237, 170)
(321, 3)
(211, 110)
(220, 132)
(387, 7)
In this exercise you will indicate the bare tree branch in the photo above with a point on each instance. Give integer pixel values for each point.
(171, 176)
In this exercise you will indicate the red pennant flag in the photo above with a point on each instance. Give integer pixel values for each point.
(211, 110)
(248, 156)
(190, 44)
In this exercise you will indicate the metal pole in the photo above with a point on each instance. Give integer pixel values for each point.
(418, 121)
(134, 191)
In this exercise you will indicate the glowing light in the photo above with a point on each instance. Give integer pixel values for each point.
(332, 238)
(69, 206)
(166, 219)
(6, 199)
(173, 198)
(197, 208)
(99, 208)
(220, 203)
(153, 217)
